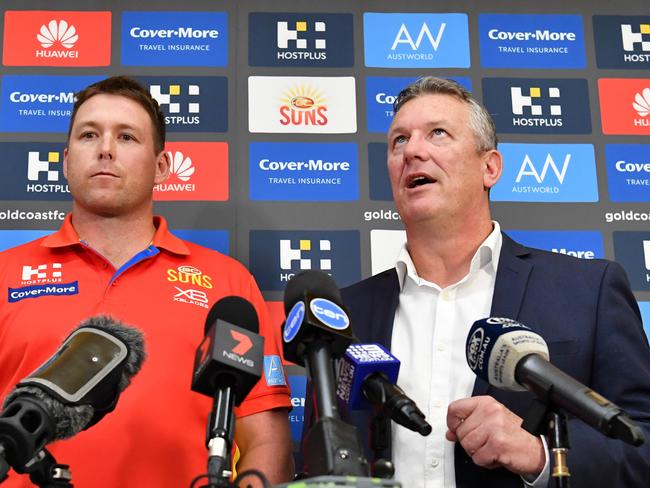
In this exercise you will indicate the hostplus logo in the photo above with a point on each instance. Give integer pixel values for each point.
(276, 256)
(45, 173)
(291, 257)
(294, 46)
(547, 173)
(538, 106)
(57, 34)
(167, 96)
(633, 40)
(42, 273)
(632, 251)
(534, 102)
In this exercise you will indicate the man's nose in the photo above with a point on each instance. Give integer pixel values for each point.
(107, 148)
(415, 148)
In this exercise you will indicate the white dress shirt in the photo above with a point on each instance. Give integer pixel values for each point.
(429, 333)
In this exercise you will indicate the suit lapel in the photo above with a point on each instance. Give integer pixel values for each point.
(384, 306)
(512, 277)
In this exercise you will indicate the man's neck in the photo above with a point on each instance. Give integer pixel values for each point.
(443, 255)
(117, 238)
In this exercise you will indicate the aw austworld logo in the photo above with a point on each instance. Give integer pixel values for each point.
(584, 244)
(304, 171)
(175, 38)
(300, 39)
(380, 97)
(538, 106)
(622, 41)
(57, 38)
(628, 171)
(408, 40)
(191, 103)
(276, 256)
(39, 103)
(531, 41)
(547, 173)
(33, 171)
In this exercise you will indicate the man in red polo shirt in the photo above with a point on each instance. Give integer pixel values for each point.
(112, 256)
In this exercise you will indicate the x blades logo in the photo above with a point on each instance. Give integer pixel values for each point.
(199, 171)
(175, 38)
(538, 106)
(189, 102)
(625, 106)
(622, 42)
(191, 296)
(51, 38)
(305, 39)
(33, 171)
(275, 256)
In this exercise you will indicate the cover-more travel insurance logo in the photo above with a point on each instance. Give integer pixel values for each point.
(628, 171)
(297, 104)
(304, 171)
(525, 41)
(56, 38)
(408, 40)
(39, 103)
(304, 39)
(547, 173)
(585, 244)
(175, 38)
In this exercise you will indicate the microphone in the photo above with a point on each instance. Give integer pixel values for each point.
(227, 365)
(510, 356)
(367, 377)
(72, 390)
(317, 329)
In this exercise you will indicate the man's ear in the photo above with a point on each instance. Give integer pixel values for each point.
(162, 167)
(65, 163)
(493, 165)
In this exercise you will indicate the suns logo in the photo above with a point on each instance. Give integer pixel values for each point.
(303, 105)
(181, 166)
(59, 31)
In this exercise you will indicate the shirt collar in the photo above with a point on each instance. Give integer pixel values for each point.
(487, 254)
(162, 239)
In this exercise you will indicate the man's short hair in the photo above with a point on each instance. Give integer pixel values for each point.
(127, 87)
(479, 119)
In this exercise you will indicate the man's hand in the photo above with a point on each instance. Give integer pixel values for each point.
(492, 436)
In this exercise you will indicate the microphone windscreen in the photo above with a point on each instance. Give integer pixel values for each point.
(234, 310)
(313, 282)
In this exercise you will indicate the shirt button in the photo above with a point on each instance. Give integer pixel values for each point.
(437, 404)
(435, 463)
(446, 295)
(441, 347)
(115, 283)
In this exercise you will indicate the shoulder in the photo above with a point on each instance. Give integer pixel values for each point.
(382, 283)
(214, 260)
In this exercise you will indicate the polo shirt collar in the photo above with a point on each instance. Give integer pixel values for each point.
(162, 239)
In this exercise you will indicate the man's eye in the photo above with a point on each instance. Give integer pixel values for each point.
(438, 132)
(87, 135)
(399, 140)
(127, 137)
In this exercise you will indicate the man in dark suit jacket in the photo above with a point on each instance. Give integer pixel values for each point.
(442, 162)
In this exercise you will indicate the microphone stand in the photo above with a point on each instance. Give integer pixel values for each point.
(45, 472)
(540, 419)
(379, 441)
(219, 438)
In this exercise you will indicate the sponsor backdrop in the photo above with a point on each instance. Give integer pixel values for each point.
(277, 111)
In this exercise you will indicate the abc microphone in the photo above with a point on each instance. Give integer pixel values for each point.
(510, 356)
(367, 376)
(72, 390)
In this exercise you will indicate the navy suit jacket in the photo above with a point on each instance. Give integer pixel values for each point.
(587, 314)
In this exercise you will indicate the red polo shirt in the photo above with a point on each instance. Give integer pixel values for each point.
(155, 436)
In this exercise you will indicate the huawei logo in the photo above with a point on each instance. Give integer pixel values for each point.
(642, 102)
(57, 31)
(181, 166)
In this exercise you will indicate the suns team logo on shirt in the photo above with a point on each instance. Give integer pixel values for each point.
(189, 275)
